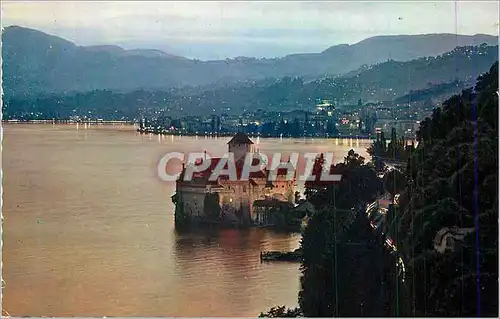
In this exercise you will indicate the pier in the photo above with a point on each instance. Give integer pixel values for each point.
(66, 121)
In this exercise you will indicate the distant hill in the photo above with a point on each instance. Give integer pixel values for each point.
(120, 52)
(36, 62)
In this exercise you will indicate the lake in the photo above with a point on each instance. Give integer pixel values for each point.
(88, 229)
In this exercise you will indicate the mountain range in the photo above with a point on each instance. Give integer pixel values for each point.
(36, 62)
(423, 81)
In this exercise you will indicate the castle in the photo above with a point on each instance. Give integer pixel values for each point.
(235, 198)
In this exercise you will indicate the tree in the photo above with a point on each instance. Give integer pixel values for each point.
(378, 147)
(453, 180)
(325, 259)
(311, 187)
(343, 267)
(281, 312)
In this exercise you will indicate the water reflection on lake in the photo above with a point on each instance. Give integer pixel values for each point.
(88, 229)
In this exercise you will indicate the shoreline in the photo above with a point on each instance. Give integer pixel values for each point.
(147, 132)
(357, 137)
(65, 122)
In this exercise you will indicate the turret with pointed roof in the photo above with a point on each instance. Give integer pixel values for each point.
(240, 138)
(240, 145)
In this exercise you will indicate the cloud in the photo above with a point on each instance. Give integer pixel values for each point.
(305, 25)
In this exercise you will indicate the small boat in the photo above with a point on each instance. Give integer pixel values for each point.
(280, 256)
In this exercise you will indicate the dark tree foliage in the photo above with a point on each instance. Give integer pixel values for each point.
(359, 183)
(453, 180)
(339, 247)
(281, 312)
(396, 149)
(379, 146)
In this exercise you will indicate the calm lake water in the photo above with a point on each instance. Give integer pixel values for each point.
(89, 230)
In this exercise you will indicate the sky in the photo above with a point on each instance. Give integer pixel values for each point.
(217, 30)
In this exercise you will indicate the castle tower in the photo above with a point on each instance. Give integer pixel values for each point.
(240, 145)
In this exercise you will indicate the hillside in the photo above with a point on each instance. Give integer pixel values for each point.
(424, 79)
(435, 93)
(392, 79)
(35, 62)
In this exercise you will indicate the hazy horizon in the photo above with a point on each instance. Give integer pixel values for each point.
(220, 30)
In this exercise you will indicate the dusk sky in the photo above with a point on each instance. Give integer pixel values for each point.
(217, 30)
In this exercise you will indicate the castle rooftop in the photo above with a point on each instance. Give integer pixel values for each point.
(240, 138)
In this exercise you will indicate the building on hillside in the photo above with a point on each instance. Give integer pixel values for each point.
(236, 197)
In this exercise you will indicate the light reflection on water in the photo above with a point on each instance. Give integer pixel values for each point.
(88, 230)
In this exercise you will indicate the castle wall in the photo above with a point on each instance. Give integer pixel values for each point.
(193, 200)
(282, 187)
(235, 200)
(240, 150)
